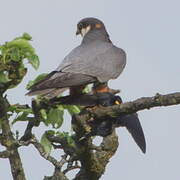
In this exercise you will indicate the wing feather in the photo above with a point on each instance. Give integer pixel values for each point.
(99, 59)
(62, 80)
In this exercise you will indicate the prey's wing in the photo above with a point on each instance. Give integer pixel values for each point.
(98, 59)
(132, 123)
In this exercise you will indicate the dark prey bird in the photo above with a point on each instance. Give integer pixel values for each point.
(96, 60)
(105, 126)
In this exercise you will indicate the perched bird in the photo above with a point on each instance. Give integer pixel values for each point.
(96, 60)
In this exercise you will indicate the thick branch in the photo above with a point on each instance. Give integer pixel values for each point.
(137, 105)
(57, 175)
(9, 142)
(93, 161)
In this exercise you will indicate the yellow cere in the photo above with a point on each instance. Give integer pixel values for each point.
(117, 102)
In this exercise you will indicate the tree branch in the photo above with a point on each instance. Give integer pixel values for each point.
(39, 147)
(5, 154)
(95, 158)
(34, 121)
(58, 174)
(137, 105)
(10, 143)
(71, 168)
(93, 163)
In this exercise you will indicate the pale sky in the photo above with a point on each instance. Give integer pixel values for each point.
(149, 32)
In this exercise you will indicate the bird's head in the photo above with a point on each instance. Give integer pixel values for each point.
(89, 24)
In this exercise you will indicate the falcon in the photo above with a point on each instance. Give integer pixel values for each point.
(95, 61)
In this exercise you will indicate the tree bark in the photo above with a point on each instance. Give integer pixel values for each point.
(10, 143)
(93, 158)
(140, 104)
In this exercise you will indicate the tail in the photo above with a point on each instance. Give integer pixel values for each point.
(133, 125)
(48, 93)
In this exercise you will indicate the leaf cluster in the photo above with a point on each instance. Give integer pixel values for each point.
(12, 60)
(13, 55)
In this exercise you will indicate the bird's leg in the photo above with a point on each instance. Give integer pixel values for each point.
(76, 91)
(103, 88)
(100, 88)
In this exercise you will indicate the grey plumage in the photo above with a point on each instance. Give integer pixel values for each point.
(100, 59)
(96, 59)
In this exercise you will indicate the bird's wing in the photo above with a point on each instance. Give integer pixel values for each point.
(99, 59)
(58, 79)
(133, 125)
(85, 64)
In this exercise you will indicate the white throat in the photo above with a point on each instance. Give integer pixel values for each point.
(84, 31)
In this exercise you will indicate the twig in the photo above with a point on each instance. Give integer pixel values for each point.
(33, 122)
(63, 160)
(45, 155)
(5, 154)
(71, 168)
(57, 146)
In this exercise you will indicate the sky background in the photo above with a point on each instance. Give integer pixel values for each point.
(149, 32)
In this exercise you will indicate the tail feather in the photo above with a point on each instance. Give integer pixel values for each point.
(48, 93)
(133, 125)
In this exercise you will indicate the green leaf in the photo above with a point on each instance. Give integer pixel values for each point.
(34, 61)
(22, 117)
(67, 136)
(29, 85)
(55, 117)
(4, 77)
(22, 44)
(37, 79)
(22, 111)
(20, 49)
(86, 89)
(62, 134)
(46, 144)
(70, 140)
(60, 107)
(43, 114)
(12, 56)
(18, 108)
(15, 54)
(72, 109)
(50, 133)
(26, 36)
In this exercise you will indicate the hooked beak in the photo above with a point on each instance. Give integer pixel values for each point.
(78, 32)
(83, 31)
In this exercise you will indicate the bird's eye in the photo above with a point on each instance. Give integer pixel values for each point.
(80, 25)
